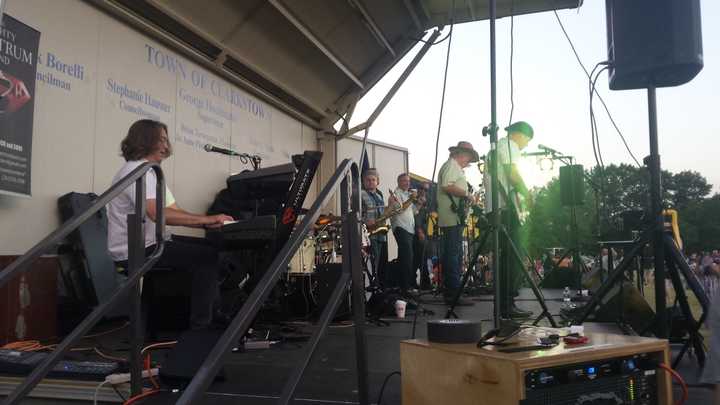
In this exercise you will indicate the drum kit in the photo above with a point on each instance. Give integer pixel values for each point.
(324, 245)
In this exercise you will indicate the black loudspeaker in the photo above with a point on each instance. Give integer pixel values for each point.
(635, 311)
(572, 185)
(656, 42)
(560, 277)
(185, 359)
(327, 277)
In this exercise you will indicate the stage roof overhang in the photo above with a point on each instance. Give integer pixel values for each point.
(311, 58)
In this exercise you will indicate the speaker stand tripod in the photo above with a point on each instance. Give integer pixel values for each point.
(575, 198)
(666, 254)
(471, 271)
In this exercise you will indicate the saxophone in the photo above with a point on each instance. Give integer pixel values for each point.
(380, 226)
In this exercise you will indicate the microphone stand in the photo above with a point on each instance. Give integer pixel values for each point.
(574, 252)
(246, 158)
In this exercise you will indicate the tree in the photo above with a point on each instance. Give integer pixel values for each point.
(700, 224)
(549, 223)
(685, 188)
(617, 189)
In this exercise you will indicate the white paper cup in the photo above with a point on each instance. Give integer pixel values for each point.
(400, 308)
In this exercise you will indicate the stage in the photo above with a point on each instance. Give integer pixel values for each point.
(257, 376)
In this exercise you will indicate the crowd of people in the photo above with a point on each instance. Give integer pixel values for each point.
(706, 266)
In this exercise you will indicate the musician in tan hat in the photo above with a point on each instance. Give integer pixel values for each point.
(452, 196)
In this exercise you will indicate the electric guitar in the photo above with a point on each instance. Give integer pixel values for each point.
(462, 208)
(518, 203)
(380, 224)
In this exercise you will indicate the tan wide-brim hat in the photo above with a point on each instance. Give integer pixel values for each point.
(464, 146)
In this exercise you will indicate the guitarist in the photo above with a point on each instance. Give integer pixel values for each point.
(513, 196)
(373, 206)
(451, 196)
(403, 226)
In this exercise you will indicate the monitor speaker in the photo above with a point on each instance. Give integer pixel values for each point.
(327, 276)
(572, 185)
(184, 360)
(630, 308)
(653, 42)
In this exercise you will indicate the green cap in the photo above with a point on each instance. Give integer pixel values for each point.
(522, 127)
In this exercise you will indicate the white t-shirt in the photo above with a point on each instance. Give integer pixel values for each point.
(405, 219)
(508, 153)
(124, 204)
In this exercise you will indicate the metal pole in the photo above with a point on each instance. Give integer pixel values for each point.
(350, 195)
(494, 171)
(326, 317)
(136, 257)
(394, 88)
(653, 163)
(2, 9)
(37, 374)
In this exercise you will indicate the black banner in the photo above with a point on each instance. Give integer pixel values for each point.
(18, 65)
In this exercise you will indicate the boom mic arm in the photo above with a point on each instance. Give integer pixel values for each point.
(551, 150)
(244, 157)
(540, 153)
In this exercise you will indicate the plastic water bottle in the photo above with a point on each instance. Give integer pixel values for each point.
(566, 298)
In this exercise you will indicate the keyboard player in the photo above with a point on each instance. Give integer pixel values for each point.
(147, 141)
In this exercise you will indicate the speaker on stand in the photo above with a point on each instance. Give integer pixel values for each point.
(653, 42)
(572, 195)
(572, 185)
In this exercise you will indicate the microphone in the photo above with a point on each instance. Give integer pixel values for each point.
(216, 149)
(543, 153)
(551, 150)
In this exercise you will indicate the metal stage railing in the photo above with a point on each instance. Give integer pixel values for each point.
(136, 269)
(351, 270)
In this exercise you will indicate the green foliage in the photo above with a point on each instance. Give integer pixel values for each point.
(616, 189)
(700, 224)
(550, 224)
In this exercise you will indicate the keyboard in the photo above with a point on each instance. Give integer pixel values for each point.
(261, 227)
(22, 363)
(243, 234)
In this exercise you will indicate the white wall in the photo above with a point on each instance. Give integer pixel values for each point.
(80, 121)
(390, 161)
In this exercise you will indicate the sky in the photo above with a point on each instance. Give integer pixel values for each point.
(551, 93)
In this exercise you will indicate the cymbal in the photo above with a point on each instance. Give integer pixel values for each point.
(327, 219)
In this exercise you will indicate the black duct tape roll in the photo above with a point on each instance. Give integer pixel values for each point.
(454, 331)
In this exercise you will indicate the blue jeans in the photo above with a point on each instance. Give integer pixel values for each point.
(451, 238)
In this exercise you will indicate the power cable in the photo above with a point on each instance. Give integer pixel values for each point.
(593, 121)
(382, 389)
(512, 51)
(439, 41)
(577, 57)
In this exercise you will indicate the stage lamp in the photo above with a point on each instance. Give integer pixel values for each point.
(546, 164)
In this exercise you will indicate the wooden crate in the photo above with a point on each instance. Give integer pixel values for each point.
(460, 374)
